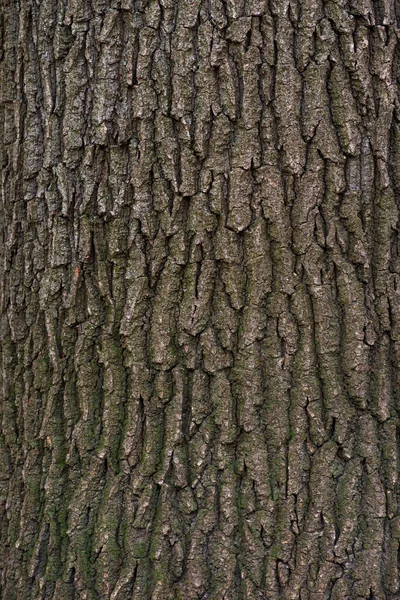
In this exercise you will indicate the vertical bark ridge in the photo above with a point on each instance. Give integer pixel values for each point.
(200, 300)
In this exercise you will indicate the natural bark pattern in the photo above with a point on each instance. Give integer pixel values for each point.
(200, 300)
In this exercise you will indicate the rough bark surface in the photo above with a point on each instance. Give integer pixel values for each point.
(200, 300)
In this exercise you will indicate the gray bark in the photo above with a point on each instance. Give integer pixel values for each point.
(200, 300)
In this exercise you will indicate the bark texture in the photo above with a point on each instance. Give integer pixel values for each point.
(200, 300)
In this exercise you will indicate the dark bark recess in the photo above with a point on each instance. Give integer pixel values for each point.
(200, 300)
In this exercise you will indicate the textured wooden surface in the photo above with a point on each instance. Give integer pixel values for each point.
(200, 300)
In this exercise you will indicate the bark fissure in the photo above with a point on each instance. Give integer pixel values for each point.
(199, 291)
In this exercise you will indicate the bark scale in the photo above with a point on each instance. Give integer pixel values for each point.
(200, 300)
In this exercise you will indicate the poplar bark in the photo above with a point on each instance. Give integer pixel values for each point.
(200, 300)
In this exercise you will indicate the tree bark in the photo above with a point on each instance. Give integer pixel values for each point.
(200, 300)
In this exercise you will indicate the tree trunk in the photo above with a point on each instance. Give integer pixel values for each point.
(200, 300)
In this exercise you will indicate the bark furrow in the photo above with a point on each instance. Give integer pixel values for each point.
(200, 300)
